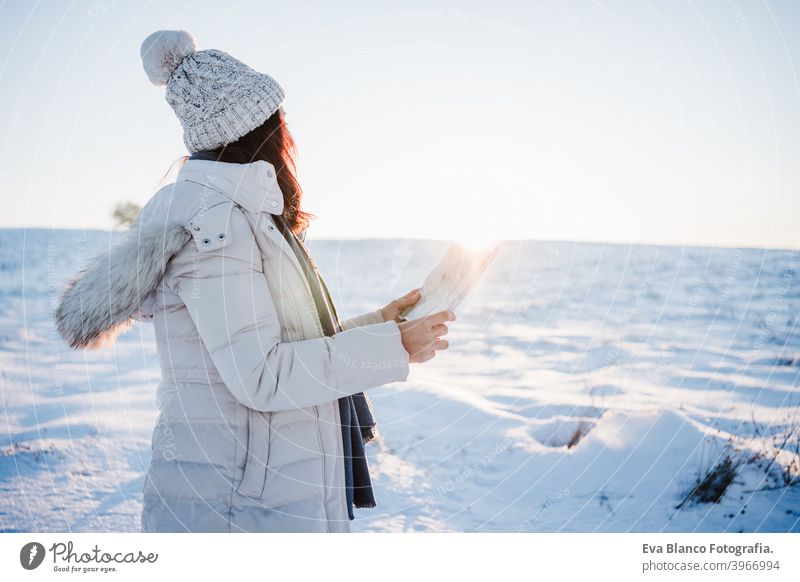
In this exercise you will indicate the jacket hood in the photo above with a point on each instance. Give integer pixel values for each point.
(102, 300)
(253, 186)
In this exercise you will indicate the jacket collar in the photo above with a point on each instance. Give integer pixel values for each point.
(253, 186)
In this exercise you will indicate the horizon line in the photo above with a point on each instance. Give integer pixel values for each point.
(427, 239)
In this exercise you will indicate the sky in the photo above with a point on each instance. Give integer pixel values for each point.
(668, 122)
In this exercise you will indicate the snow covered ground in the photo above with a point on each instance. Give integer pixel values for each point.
(587, 388)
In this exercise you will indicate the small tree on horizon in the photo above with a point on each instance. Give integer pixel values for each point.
(125, 213)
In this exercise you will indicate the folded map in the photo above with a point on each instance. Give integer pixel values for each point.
(451, 280)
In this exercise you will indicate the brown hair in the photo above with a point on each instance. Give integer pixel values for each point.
(271, 142)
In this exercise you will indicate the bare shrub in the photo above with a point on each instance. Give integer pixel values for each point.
(125, 213)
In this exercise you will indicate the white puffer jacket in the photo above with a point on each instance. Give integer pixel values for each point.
(248, 437)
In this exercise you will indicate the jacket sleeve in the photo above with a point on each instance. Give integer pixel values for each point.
(370, 318)
(220, 279)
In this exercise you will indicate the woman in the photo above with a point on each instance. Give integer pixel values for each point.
(262, 416)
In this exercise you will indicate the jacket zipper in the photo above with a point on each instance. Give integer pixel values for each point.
(323, 454)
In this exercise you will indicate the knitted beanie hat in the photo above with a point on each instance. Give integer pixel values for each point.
(216, 97)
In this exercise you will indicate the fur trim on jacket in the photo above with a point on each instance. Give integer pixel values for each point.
(100, 301)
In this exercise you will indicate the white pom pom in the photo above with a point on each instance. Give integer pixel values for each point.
(163, 50)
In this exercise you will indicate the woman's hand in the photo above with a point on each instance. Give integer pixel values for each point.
(392, 310)
(422, 337)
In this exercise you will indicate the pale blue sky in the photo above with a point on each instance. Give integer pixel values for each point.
(666, 122)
